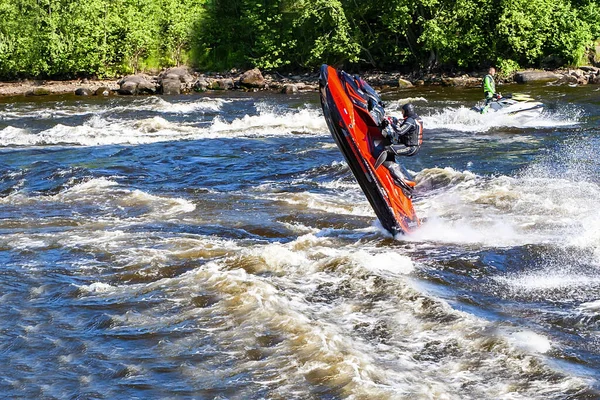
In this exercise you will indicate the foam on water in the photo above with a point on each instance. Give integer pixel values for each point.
(530, 341)
(532, 207)
(15, 137)
(466, 120)
(161, 105)
(105, 130)
(156, 104)
(338, 317)
(107, 195)
(270, 122)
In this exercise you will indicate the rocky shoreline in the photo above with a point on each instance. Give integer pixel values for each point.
(180, 80)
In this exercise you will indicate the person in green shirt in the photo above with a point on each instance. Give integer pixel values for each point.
(489, 86)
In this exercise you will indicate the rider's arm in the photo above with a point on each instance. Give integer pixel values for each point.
(403, 129)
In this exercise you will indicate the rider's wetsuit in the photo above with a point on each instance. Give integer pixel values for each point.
(489, 88)
(409, 133)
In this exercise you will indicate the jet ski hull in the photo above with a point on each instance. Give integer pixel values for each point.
(357, 135)
(521, 106)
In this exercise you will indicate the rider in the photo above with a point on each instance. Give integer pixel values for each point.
(489, 87)
(409, 133)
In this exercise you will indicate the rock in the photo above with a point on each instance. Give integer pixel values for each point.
(102, 91)
(178, 74)
(146, 87)
(225, 84)
(589, 69)
(38, 92)
(420, 82)
(252, 79)
(289, 89)
(536, 76)
(213, 84)
(83, 92)
(128, 88)
(403, 83)
(461, 81)
(170, 86)
(137, 84)
(201, 85)
(595, 79)
(566, 79)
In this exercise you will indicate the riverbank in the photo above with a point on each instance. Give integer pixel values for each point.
(183, 80)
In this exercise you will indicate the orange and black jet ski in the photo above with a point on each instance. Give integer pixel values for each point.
(354, 113)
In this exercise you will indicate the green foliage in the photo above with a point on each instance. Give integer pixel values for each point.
(68, 38)
(535, 30)
(507, 67)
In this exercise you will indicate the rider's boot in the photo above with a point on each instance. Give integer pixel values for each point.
(399, 178)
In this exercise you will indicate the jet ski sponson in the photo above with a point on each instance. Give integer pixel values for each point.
(354, 111)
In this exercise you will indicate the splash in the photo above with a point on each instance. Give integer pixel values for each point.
(272, 122)
(466, 120)
(533, 207)
(101, 129)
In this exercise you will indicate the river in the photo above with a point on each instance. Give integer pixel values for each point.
(218, 247)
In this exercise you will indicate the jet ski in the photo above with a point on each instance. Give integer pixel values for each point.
(354, 113)
(520, 105)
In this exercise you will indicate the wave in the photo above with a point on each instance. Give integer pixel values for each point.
(107, 195)
(272, 122)
(161, 105)
(111, 107)
(102, 130)
(466, 120)
(332, 316)
(532, 207)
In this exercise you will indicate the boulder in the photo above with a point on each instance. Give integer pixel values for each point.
(102, 91)
(536, 76)
(589, 69)
(252, 79)
(83, 92)
(225, 84)
(289, 89)
(461, 81)
(170, 86)
(182, 75)
(137, 84)
(127, 88)
(201, 85)
(567, 79)
(403, 83)
(147, 87)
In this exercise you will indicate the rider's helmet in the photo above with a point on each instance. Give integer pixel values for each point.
(408, 110)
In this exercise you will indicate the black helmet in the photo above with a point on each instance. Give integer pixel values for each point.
(408, 110)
